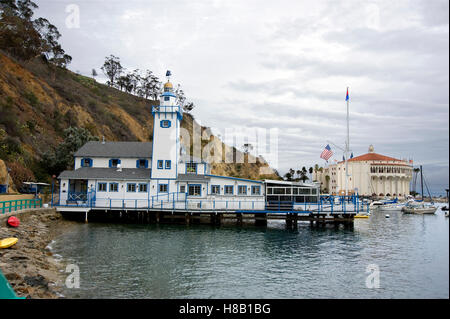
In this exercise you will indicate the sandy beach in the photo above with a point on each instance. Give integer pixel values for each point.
(29, 265)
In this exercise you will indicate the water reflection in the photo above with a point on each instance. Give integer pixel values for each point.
(200, 261)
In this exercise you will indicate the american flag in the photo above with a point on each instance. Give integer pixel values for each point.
(327, 153)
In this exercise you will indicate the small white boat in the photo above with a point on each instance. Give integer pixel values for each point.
(391, 207)
(419, 208)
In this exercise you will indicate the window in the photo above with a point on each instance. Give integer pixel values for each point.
(163, 188)
(165, 123)
(242, 190)
(215, 189)
(160, 164)
(142, 188)
(113, 187)
(228, 190)
(141, 163)
(102, 187)
(191, 168)
(114, 162)
(86, 162)
(168, 164)
(131, 188)
(166, 98)
(195, 190)
(183, 189)
(256, 190)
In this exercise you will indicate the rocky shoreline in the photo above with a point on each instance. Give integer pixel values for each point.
(29, 265)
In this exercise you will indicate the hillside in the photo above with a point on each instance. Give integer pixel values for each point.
(38, 101)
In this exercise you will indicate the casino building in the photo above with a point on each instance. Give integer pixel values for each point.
(369, 174)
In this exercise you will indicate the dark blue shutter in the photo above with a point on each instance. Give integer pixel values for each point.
(137, 163)
(146, 163)
(82, 162)
(90, 162)
(110, 163)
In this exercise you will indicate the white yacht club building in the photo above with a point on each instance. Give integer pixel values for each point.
(155, 174)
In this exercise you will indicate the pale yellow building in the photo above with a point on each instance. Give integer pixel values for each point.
(370, 174)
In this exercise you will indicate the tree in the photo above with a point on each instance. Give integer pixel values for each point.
(94, 73)
(311, 170)
(247, 147)
(61, 157)
(181, 100)
(112, 69)
(25, 38)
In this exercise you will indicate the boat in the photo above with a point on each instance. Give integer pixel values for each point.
(8, 242)
(361, 216)
(391, 207)
(419, 208)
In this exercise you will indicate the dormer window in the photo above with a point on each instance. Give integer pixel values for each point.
(141, 163)
(86, 162)
(114, 162)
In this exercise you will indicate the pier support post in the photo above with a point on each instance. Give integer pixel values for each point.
(86, 217)
(157, 217)
(261, 219)
(239, 218)
(187, 217)
(288, 220)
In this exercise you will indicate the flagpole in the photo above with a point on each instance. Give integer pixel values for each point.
(347, 145)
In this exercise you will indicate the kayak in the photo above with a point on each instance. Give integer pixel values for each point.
(8, 242)
(361, 216)
(13, 221)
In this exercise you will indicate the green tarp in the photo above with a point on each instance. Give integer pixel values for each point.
(6, 291)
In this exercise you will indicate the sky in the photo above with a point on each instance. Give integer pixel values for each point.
(284, 66)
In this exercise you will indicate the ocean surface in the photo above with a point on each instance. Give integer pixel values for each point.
(405, 256)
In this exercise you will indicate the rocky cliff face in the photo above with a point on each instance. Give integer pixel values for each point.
(38, 101)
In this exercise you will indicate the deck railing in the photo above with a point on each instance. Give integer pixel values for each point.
(19, 204)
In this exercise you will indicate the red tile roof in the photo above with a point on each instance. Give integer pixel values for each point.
(373, 157)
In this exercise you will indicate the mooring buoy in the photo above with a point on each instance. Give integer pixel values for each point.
(387, 216)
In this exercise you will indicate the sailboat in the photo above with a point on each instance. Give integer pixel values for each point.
(420, 207)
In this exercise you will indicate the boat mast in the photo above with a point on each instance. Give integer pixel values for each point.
(347, 145)
(421, 180)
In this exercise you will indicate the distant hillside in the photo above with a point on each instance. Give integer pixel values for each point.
(39, 100)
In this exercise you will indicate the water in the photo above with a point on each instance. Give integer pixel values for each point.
(175, 261)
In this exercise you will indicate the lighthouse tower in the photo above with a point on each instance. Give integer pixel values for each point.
(166, 141)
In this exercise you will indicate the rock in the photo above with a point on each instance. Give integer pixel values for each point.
(36, 281)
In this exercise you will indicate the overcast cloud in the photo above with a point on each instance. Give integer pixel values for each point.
(286, 64)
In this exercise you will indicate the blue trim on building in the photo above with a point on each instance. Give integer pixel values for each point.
(139, 187)
(90, 161)
(199, 185)
(102, 183)
(168, 164)
(128, 190)
(256, 187)
(185, 167)
(113, 183)
(165, 192)
(160, 166)
(242, 187)
(165, 123)
(225, 190)
(218, 193)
